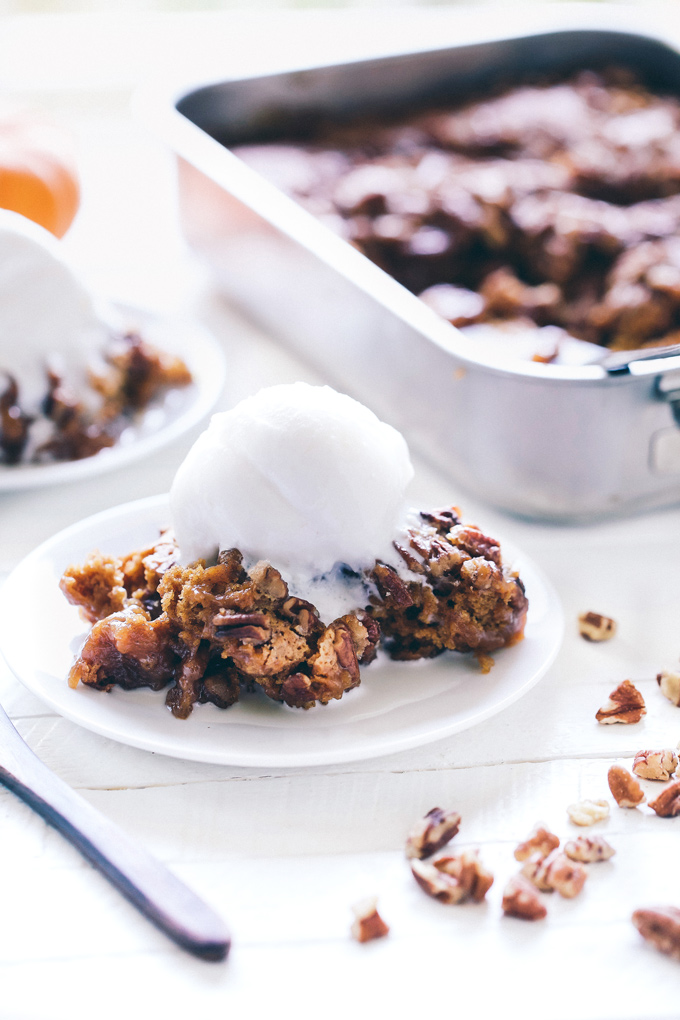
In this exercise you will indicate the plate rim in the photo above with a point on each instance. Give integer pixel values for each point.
(157, 742)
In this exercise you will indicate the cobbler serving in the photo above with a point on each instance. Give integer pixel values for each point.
(293, 559)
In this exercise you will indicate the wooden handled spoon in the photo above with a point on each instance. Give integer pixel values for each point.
(143, 880)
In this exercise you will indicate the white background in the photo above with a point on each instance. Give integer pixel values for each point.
(283, 854)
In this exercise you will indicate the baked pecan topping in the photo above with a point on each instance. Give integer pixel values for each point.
(251, 628)
(269, 580)
(391, 586)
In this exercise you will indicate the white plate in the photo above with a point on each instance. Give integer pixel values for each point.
(163, 421)
(397, 706)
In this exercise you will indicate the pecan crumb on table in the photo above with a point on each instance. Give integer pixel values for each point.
(625, 705)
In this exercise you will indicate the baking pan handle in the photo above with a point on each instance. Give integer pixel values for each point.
(643, 362)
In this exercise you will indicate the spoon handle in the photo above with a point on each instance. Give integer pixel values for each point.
(142, 879)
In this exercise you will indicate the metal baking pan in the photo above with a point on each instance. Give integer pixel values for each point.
(544, 441)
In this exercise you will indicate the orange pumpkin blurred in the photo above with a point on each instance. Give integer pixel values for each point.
(37, 173)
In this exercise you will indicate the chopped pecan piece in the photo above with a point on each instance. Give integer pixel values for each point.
(587, 812)
(368, 924)
(669, 682)
(453, 879)
(432, 832)
(589, 849)
(269, 580)
(391, 586)
(625, 788)
(467, 869)
(667, 804)
(556, 871)
(661, 927)
(520, 899)
(595, 627)
(251, 628)
(655, 764)
(303, 616)
(334, 669)
(625, 705)
(540, 841)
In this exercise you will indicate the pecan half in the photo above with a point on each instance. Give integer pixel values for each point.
(655, 764)
(587, 812)
(391, 586)
(661, 927)
(520, 899)
(667, 804)
(252, 628)
(556, 871)
(432, 832)
(625, 788)
(453, 879)
(669, 682)
(625, 705)
(540, 841)
(589, 849)
(595, 627)
(368, 924)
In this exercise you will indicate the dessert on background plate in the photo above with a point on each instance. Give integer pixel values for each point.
(73, 376)
(293, 558)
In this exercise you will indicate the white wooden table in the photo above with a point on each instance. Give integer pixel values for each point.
(284, 854)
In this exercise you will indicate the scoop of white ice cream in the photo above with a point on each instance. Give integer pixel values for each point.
(47, 316)
(299, 475)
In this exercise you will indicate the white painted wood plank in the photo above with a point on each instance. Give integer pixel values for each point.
(293, 918)
(283, 854)
(286, 816)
